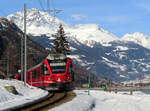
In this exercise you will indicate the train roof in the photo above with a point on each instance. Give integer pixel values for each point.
(56, 57)
(51, 57)
(35, 66)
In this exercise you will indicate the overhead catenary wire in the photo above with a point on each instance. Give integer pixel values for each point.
(53, 6)
(50, 9)
(48, 6)
(54, 11)
(41, 5)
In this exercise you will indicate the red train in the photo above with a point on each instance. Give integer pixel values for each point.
(54, 72)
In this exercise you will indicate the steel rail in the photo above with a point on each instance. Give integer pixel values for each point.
(52, 98)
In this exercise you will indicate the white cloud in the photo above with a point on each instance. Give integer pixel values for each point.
(78, 16)
(117, 19)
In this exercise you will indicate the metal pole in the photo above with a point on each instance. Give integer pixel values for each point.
(22, 72)
(7, 65)
(89, 85)
(48, 7)
(31, 79)
(25, 46)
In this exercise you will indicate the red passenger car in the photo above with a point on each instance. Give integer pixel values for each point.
(55, 71)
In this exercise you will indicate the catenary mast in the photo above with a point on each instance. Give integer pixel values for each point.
(25, 46)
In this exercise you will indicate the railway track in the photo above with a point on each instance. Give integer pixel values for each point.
(53, 99)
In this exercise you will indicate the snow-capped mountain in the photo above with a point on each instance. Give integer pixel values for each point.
(91, 32)
(92, 47)
(39, 23)
(138, 38)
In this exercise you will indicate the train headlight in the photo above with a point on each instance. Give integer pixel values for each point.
(59, 80)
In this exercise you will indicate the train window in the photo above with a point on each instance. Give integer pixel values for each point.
(38, 71)
(29, 75)
(57, 66)
(34, 74)
(22, 77)
(46, 70)
(19, 77)
(58, 69)
(42, 70)
(69, 68)
(71, 64)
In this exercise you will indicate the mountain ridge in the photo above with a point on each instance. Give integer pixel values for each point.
(138, 38)
(40, 23)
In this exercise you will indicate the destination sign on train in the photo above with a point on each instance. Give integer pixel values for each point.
(58, 64)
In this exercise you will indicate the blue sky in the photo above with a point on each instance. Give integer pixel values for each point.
(116, 16)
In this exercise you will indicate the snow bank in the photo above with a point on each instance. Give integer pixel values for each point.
(82, 102)
(121, 102)
(26, 94)
(105, 101)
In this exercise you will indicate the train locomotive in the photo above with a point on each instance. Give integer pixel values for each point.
(53, 72)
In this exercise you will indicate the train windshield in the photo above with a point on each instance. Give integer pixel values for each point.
(57, 66)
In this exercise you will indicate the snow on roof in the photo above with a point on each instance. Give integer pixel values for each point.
(56, 57)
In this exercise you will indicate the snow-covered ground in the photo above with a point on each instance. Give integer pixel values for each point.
(97, 101)
(26, 94)
(106, 101)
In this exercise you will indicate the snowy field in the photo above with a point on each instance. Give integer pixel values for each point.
(97, 101)
(106, 101)
(26, 94)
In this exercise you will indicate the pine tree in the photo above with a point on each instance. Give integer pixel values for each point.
(60, 44)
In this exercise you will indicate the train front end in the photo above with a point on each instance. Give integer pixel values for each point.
(60, 71)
